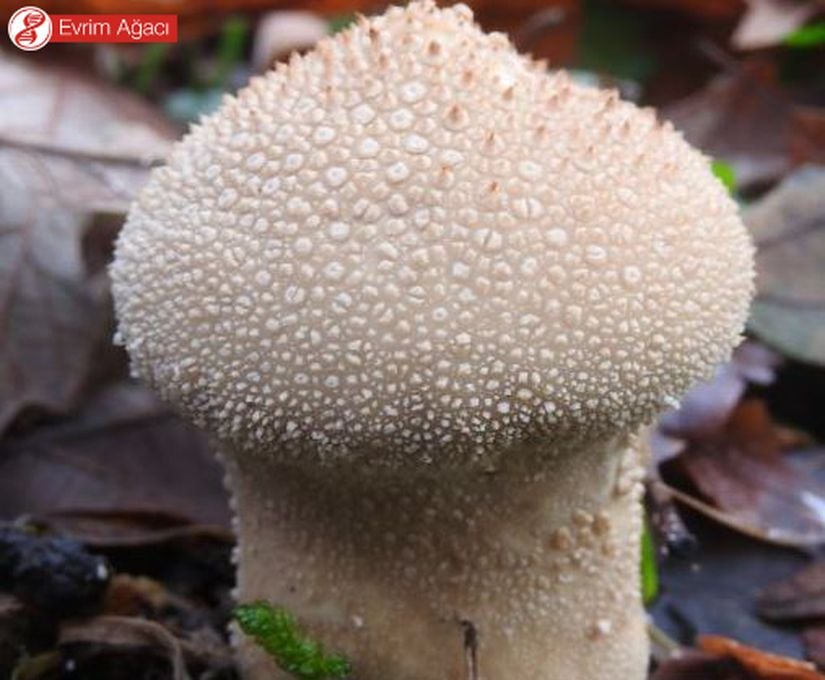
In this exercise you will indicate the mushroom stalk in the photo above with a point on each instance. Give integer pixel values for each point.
(516, 572)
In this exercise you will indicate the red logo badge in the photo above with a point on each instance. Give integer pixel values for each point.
(30, 28)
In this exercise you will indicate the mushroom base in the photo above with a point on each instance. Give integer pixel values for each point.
(516, 573)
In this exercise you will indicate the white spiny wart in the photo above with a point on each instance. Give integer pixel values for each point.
(424, 293)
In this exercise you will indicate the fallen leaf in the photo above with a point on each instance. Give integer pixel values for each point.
(121, 632)
(188, 558)
(708, 405)
(189, 621)
(799, 598)
(767, 23)
(743, 118)
(706, 408)
(672, 537)
(134, 596)
(762, 665)
(711, 590)
(69, 147)
(748, 485)
(813, 639)
(807, 136)
(62, 112)
(695, 665)
(136, 528)
(126, 634)
(788, 226)
(703, 412)
(124, 450)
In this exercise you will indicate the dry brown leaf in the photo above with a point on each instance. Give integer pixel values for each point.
(798, 598)
(69, 147)
(762, 665)
(133, 634)
(144, 597)
(691, 664)
(134, 596)
(124, 450)
(746, 118)
(740, 470)
(808, 135)
(124, 632)
(813, 639)
(706, 408)
(743, 118)
(788, 226)
(130, 528)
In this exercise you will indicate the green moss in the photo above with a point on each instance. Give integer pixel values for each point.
(276, 631)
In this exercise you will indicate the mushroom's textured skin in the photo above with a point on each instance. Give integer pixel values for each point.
(425, 293)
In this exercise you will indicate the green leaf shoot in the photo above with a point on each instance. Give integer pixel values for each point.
(650, 570)
(724, 173)
(812, 35)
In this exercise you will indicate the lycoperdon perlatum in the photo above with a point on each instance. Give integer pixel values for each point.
(425, 293)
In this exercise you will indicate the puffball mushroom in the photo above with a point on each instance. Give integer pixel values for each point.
(425, 294)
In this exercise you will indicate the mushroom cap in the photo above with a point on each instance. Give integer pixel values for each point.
(414, 244)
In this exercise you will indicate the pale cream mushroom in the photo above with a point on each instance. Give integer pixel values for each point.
(425, 294)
